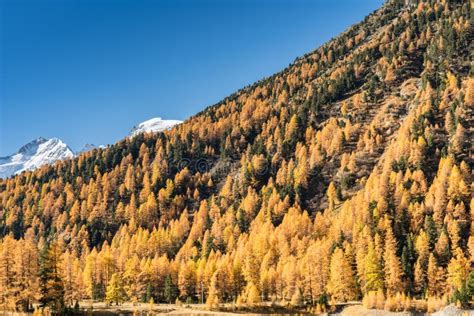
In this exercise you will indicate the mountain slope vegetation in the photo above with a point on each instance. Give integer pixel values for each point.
(347, 175)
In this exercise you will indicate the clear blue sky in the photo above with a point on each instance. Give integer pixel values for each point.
(87, 71)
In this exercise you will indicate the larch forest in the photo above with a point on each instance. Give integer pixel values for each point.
(347, 176)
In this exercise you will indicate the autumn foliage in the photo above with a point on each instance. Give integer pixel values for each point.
(347, 176)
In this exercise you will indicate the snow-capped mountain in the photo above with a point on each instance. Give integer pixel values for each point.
(153, 125)
(88, 147)
(43, 151)
(36, 153)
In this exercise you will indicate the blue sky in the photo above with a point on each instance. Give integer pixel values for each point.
(87, 71)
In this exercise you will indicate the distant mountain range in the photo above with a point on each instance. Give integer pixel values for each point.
(36, 153)
(42, 151)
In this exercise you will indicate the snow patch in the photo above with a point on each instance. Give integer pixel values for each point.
(153, 125)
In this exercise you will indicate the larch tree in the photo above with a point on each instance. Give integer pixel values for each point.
(213, 301)
(7, 273)
(341, 285)
(214, 207)
(436, 277)
(90, 274)
(392, 267)
(115, 291)
(252, 295)
(187, 279)
(458, 270)
(332, 195)
(373, 271)
(421, 265)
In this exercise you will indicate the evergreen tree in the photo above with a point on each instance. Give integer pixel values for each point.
(170, 289)
(51, 284)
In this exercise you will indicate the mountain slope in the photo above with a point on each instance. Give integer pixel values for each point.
(346, 175)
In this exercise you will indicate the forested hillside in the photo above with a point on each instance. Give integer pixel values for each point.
(346, 176)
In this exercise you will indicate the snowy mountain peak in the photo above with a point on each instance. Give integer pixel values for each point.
(88, 147)
(41, 151)
(31, 147)
(153, 125)
(34, 154)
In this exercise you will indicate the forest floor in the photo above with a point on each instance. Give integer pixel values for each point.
(100, 308)
(200, 309)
